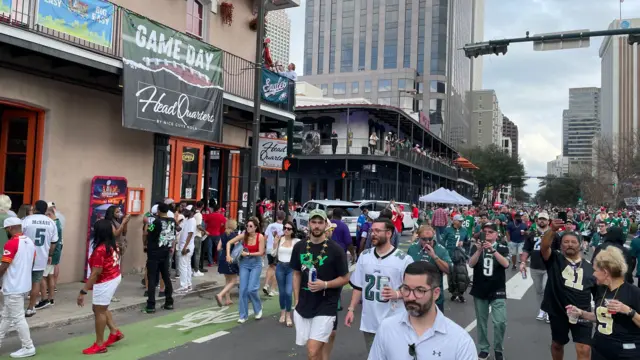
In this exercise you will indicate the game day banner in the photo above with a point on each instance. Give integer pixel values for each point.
(90, 20)
(275, 88)
(5, 8)
(106, 191)
(172, 82)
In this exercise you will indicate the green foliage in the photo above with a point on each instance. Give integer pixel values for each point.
(497, 168)
(563, 191)
(520, 195)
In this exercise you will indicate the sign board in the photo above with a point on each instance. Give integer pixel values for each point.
(5, 8)
(275, 88)
(271, 153)
(90, 20)
(549, 45)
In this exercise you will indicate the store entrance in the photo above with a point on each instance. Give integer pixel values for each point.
(20, 141)
(186, 178)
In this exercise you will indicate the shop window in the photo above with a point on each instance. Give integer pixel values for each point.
(195, 14)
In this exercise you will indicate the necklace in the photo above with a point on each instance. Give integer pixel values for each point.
(605, 294)
(320, 256)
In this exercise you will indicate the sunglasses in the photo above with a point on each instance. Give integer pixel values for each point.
(288, 228)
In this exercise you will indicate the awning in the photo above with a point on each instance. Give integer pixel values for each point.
(465, 164)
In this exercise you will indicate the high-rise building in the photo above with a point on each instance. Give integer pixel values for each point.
(620, 94)
(486, 119)
(278, 29)
(510, 130)
(558, 167)
(395, 52)
(580, 124)
(478, 36)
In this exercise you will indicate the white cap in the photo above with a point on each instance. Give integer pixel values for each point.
(51, 204)
(543, 215)
(154, 209)
(189, 207)
(458, 217)
(12, 221)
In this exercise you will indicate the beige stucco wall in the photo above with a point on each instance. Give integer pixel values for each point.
(84, 137)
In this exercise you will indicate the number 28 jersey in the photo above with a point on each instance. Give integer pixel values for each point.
(372, 271)
(567, 284)
(44, 232)
(489, 277)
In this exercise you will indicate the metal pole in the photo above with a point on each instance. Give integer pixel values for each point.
(254, 184)
(346, 166)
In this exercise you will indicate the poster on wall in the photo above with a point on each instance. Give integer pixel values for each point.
(172, 82)
(90, 20)
(275, 88)
(271, 153)
(106, 191)
(5, 8)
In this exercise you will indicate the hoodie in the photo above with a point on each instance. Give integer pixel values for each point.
(615, 237)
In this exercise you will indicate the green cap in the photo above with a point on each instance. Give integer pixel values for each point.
(318, 212)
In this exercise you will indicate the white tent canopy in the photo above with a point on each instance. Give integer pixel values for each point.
(463, 200)
(441, 196)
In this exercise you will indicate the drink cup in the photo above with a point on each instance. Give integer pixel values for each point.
(384, 282)
(606, 303)
(572, 318)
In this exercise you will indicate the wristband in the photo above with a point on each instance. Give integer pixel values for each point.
(326, 285)
(350, 309)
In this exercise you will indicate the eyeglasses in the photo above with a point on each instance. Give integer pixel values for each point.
(418, 292)
(250, 226)
(412, 351)
(426, 239)
(288, 228)
(378, 231)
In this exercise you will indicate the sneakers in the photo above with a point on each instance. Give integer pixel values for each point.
(95, 349)
(272, 293)
(167, 306)
(499, 355)
(42, 304)
(462, 299)
(29, 312)
(540, 316)
(265, 290)
(546, 318)
(113, 338)
(483, 355)
(198, 274)
(115, 299)
(183, 290)
(204, 270)
(24, 352)
(161, 294)
(259, 315)
(242, 321)
(147, 310)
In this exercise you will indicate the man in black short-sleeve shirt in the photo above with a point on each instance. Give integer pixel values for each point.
(570, 282)
(316, 310)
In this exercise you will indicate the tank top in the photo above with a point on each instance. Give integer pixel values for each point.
(255, 247)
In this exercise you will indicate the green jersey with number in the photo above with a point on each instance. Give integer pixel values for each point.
(625, 223)
(469, 223)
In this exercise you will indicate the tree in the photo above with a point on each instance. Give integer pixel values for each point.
(496, 168)
(564, 191)
(520, 195)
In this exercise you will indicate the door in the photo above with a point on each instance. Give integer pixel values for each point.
(17, 156)
(186, 171)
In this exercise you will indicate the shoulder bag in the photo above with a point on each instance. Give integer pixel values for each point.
(236, 252)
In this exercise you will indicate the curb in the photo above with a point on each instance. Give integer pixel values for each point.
(200, 289)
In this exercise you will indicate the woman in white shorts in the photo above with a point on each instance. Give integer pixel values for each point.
(105, 278)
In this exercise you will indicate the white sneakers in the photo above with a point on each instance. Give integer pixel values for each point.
(24, 352)
(259, 315)
(198, 274)
(541, 316)
(242, 321)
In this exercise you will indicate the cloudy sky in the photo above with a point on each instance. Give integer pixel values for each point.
(532, 86)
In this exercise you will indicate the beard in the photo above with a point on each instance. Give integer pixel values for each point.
(419, 310)
(378, 241)
(316, 233)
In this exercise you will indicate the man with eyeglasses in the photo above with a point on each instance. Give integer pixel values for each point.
(403, 336)
(375, 281)
(489, 262)
(427, 249)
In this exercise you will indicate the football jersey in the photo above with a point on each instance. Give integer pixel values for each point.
(109, 262)
(19, 253)
(369, 277)
(567, 284)
(44, 232)
(469, 223)
(618, 327)
(489, 277)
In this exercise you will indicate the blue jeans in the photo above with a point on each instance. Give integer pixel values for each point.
(250, 270)
(284, 276)
(440, 231)
(210, 243)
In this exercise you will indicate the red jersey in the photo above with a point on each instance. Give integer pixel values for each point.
(214, 223)
(415, 213)
(110, 263)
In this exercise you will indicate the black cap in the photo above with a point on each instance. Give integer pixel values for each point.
(490, 225)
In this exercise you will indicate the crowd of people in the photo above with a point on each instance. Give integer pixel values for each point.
(394, 145)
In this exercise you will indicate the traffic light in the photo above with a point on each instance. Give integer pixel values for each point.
(486, 48)
(290, 163)
(344, 174)
(295, 133)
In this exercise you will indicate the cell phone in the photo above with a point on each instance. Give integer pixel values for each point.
(562, 215)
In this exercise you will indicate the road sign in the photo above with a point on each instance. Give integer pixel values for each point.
(572, 42)
(625, 24)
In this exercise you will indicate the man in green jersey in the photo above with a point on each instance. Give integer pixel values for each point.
(469, 222)
(454, 235)
(625, 223)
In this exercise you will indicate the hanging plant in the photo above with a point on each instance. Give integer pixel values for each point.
(226, 12)
(253, 24)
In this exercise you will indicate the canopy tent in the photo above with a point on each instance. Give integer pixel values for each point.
(441, 196)
(465, 163)
(464, 200)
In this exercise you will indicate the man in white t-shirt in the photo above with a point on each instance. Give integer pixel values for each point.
(273, 230)
(43, 231)
(184, 250)
(375, 281)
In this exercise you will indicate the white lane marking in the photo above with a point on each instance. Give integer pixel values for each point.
(210, 337)
(471, 326)
(517, 286)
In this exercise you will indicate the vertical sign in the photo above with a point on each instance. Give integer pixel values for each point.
(106, 191)
(90, 20)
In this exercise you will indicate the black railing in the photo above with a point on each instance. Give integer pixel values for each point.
(466, 175)
(238, 74)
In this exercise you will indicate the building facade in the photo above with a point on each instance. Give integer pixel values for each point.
(558, 167)
(510, 131)
(64, 112)
(486, 121)
(580, 124)
(394, 53)
(278, 29)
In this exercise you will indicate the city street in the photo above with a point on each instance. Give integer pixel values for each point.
(200, 329)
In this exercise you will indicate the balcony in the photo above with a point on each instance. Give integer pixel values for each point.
(466, 175)
(238, 73)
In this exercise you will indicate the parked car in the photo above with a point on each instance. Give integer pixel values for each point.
(375, 206)
(350, 217)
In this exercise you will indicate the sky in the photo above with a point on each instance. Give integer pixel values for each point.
(532, 86)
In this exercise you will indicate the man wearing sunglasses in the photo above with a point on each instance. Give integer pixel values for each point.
(427, 249)
(489, 262)
(403, 336)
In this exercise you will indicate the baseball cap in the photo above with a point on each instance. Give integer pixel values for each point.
(51, 204)
(189, 207)
(458, 217)
(317, 212)
(570, 221)
(490, 225)
(154, 209)
(543, 215)
(12, 221)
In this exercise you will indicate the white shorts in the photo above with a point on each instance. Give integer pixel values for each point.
(515, 249)
(103, 292)
(48, 270)
(318, 328)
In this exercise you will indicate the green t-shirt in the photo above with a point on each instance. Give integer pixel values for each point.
(625, 223)
(469, 223)
(57, 253)
(417, 254)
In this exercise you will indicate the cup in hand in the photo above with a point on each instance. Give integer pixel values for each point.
(573, 318)
(606, 303)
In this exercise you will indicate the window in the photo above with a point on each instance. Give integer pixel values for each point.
(384, 101)
(390, 50)
(402, 84)
(339, 88)
(325, 89)
(374, 34)
(384, 85)
(407, 31)
(354, 87)
(195, 13)
(367, 86)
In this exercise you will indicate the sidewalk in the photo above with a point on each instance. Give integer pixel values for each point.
(130, 292)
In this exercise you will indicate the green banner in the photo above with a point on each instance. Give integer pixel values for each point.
(275, 88)
(172, 82)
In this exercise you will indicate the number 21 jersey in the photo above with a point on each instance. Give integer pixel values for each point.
(567, 284)
(372, 271)
(43, 231)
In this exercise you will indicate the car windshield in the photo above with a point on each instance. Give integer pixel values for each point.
(348, 210)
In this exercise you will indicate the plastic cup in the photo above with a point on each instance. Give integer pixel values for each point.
(606, 303)
(572, 319)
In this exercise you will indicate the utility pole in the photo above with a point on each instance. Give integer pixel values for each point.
(254, 183)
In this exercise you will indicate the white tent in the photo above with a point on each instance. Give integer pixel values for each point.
(440, 196)
(463, 200)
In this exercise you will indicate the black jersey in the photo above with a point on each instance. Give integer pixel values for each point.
(618, 328)
(489, 278)
(567, 284)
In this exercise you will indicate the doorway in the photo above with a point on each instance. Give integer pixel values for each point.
(186, 179)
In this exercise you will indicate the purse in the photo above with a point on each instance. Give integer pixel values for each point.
(236, 252)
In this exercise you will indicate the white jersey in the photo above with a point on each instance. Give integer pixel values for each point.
(369, 277)
(43, 231)
(188, 226)
(19, 253)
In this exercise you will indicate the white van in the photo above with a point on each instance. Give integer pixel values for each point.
(350, 217)
(375, 206)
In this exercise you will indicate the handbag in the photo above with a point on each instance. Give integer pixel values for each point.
(236, 252)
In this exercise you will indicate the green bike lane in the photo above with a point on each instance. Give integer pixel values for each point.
(156, 334)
